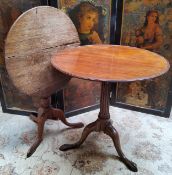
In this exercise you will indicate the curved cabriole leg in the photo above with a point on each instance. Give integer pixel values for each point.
(43, 112)
(87, 130)
(58, 114)
(40, 122)
(112, 132)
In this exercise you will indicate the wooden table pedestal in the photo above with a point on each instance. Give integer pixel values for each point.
(103, 123)
(45, 111)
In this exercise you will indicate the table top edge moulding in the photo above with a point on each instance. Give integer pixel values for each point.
(110, 63)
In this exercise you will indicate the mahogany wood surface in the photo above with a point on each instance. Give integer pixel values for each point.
(110, 63)
(32, 40)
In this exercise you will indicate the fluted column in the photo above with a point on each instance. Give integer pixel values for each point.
(104, 101)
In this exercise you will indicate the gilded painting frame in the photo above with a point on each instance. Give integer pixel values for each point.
(150, 96)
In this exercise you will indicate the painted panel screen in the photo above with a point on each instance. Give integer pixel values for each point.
(147, 25)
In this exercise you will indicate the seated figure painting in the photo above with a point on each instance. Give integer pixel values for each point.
(147, 26)
(150, 36)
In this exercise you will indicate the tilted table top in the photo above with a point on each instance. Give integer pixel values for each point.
(112, 63)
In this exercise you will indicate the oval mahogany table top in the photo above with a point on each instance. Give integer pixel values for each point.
(112, 63)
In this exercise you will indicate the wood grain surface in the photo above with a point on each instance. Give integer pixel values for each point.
(31, 42)
(110, 63)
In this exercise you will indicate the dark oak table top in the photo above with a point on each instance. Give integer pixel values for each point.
(110, 63)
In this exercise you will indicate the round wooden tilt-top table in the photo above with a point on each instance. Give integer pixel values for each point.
(108, 63)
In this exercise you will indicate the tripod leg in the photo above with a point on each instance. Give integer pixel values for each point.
(60, 115)
(112, 132)
(40, 122)
(87, 130)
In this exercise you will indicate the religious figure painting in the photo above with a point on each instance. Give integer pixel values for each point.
(9, 11)
(92, 21)
(147, 25)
